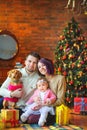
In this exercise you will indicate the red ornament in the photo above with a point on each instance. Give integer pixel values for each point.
(61, 37)
(85, 59)
(61, 48)
(71, 82)
(86, 45)
(67, 44)
(79, 38)
(64, 57)
(64, 73)
(73, 65)
(82, 38)
(82, 87)
(67, 99)
(82, 62)
(59, 69)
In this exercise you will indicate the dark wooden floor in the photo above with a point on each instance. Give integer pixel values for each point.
(79, 120)
(75, 119)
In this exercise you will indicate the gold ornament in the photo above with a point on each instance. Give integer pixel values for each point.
(80, 73)
(75, 45)
(79, 65)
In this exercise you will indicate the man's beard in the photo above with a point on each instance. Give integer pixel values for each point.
(29, 71)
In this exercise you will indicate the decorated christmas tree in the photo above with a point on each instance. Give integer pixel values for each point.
(71, 61)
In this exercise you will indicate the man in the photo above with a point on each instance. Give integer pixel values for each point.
(29, 79)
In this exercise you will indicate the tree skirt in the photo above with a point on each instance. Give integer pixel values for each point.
(53, 127)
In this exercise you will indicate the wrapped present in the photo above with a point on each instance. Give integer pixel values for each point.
(62, 115)
(10, 117)
(80, 104)
(2, 126)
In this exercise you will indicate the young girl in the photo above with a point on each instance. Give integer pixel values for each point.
(40, 102)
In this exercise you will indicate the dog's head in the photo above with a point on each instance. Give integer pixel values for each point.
(14, 74)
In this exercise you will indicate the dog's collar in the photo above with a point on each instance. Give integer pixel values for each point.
(15, 81)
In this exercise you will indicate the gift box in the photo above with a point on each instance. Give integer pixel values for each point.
(2, 126)
(10, 117)
(80, 104)
(62, 115)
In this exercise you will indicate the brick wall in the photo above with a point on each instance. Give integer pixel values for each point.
(36, 25)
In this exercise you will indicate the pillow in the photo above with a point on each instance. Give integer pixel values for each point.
(33, 119)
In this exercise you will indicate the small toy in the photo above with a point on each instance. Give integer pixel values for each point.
(72, 3)
(69, 3)
(15, 84)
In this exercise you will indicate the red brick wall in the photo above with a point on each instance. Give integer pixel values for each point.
(36, 25)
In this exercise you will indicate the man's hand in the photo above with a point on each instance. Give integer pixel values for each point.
(17, 93)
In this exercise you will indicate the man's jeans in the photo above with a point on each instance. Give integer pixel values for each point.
(1, 102)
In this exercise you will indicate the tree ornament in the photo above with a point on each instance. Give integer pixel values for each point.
(80, 73)
(82, 62)
(59, 69)
(61, 37)
(71, 82)
(78, 47)
(76, 88)
(86, 84)
(86, 45)
(74, 44)
(65, 65)
(64, 73)
(67, 50)
(67, 99)
(64, 57)
(77, 94)
(79, 65)
(73, 65)
(67, 45)
(61, 48)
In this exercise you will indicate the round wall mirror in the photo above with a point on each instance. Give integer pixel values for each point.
(8, 45)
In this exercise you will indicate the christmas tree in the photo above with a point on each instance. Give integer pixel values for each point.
(71, 61)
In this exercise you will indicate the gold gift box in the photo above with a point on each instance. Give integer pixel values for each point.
(10, 117)
(62, 115)
(1, 123)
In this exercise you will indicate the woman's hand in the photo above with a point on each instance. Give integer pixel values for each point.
(47, 102)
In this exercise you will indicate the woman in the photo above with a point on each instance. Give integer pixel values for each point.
(57, 83)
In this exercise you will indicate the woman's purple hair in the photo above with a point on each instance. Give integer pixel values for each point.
(49, 65)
